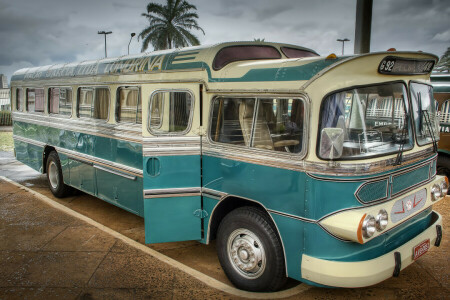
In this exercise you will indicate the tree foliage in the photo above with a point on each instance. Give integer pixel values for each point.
(444, 63)
(170, 25)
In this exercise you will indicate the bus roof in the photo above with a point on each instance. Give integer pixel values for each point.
(223, 62)
(189, 58)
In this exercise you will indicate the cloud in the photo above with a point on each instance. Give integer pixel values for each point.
(43, 32)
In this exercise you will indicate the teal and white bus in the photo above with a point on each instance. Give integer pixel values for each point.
(321, 169)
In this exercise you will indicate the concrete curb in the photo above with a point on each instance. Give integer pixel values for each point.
(214, 283)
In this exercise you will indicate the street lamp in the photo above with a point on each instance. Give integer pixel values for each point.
(105, 33)
(132, 34)
(343, 41)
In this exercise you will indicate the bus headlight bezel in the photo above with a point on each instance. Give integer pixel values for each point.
(369, 226)
(382, 220)
(436, 192)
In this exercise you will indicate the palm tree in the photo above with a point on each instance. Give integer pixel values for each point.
(170, 25)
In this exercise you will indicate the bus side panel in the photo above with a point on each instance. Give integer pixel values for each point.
(291, 232)
(276, 189)
(64, 160)
(29, 154)
(208, 205)
(82, 176)
(120, 191)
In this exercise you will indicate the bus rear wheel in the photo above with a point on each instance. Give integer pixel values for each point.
(250, 251)
(55, 176)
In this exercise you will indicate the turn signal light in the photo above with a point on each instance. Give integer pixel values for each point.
(391, 50)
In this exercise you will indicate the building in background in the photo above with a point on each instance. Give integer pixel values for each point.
(5, 93)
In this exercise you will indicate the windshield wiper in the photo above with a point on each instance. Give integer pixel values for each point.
(430, 129)
(398, 160)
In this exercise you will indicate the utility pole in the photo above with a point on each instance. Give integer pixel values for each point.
(105, 33)
(343, 42)
(363, 26)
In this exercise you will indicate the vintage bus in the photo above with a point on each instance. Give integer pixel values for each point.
(321, 169)
(441, 90)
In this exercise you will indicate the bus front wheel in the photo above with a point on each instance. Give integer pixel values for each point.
(55, 176)
(250, 251)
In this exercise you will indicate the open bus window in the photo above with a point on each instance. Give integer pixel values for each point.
(297, 53)
(129, 108)
(426, 121)
(247, 52)
(93, 103)
(170, 112)
(35, 100)
(373, 119)
(276, 125)
(60, 101)
(19, 99)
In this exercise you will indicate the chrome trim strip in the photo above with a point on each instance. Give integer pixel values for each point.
(291, 216)
(114, 172)
(29, 141)
(106, 163)
(87, 126)
(81, 161)
(172, 192)
(167, 146)
(213, 193)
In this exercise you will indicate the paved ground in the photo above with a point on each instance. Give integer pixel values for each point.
(46, 253)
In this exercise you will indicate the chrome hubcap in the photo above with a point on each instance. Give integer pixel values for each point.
(246, 253)
(53, 174)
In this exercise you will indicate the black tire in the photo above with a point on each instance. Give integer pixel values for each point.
(250, 233)
(443, 165)
(55, 177)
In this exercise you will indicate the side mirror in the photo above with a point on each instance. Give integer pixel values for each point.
(331, 143)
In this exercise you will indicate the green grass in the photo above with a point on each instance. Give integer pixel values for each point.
(6, 141)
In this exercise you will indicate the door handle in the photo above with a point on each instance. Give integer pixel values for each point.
(153, 166)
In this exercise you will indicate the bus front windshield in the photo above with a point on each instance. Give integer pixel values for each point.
(424, 110)
(373, 120)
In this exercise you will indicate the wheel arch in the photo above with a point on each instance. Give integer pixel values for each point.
(230, 203)
(47, 150)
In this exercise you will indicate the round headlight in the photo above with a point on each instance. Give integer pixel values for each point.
(368, 226)
(381, 220)
(444, 188)
(435, 192)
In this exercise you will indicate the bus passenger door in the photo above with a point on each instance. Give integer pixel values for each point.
(171, 165)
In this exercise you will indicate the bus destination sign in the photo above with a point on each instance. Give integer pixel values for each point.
(393, 65)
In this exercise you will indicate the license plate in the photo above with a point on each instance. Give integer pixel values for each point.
(421, 249)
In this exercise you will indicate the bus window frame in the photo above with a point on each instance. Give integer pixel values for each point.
(93, 102)
(412, 111)
(26, 101)
(287, 155)
(407, 105)
(48, 101)
(116, 113)
(17, 99)
(191, 113)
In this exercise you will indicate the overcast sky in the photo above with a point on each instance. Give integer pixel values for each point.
(43, 32)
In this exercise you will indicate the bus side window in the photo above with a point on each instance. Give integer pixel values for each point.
(277, 125)
(445, 112)
(60, 101)
(129, 108)
(19, 99)
(93, 103)
(35, 100)
(170, 112)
